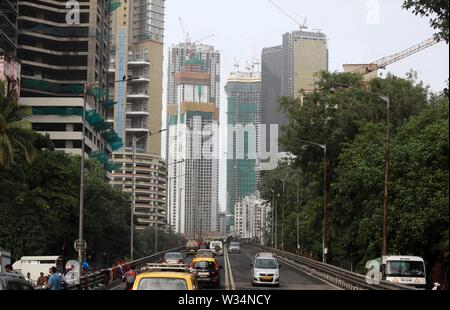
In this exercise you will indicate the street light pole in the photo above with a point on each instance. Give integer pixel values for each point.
(298, 224)
(273, 217)
(387, 100)
(133, 190)
(81, 220)
(282, 216)
(325, 199)
(83, 151)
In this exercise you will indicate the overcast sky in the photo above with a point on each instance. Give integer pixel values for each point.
(359, 31)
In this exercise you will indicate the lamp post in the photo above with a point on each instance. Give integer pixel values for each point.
(87, 87)
(325, 199)
(282, 215)
(298, 224)
(133, 193)
(387, 100)
(169, 190)
(273, 217)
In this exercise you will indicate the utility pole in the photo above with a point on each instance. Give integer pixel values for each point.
(325, 199)
(298, 224)
(282, 216)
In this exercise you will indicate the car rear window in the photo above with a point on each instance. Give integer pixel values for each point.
(234, 243)
(205, 265)
(159, 284)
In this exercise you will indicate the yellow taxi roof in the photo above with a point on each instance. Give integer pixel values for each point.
(203, 259)
(165, 274)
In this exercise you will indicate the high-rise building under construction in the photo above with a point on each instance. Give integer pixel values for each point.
(136, 39)
(193, 142)
(244, 117)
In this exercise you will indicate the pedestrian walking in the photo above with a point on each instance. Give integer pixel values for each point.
(55, 280)
(130, 277)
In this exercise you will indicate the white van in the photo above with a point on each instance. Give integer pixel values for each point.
(217, 247)
(406, 270)
(37, 264)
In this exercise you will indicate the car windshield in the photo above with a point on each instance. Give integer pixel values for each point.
(234, 243)
(266, 263)
(173, 256)
(405, 269)
(158, 284)
(205, 265)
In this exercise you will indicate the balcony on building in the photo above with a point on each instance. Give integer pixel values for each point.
(137, 60)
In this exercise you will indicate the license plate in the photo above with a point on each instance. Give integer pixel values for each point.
(267, 278)
(203, 274)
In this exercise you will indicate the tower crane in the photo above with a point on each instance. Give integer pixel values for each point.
(203, 39)
(186, 34)
(386, 61)
(301, 26)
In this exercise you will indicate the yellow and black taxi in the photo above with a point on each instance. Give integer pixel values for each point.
(160, 277)
(206, 270)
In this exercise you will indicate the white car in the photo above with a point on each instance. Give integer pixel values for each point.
(217, 247)
(266, 270)
(234, 247)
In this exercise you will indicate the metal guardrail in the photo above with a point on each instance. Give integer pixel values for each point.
(107, 278)
(340, 277)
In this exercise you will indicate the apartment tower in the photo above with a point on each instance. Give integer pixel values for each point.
(289, 68)
(137, 38)
(193, 123)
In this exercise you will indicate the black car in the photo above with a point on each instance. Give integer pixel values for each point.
(207, 272)
(14, 282)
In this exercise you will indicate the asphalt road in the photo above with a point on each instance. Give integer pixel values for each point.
(240, 276)
(290, 277)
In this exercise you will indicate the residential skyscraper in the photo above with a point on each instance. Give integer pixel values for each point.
(58, 59)
(289, 68)
(137, 38)
(8, 26)
(193, 123)
(244, 117)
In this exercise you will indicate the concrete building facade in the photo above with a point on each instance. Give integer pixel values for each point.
(58, 60)
(288, 69)
(192, 148)
(137, 37)
(251, 219)
(150, 186)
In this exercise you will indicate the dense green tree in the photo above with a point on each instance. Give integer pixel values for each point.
(15, 132)
(39, 209)
(352, 123)
(437, 10)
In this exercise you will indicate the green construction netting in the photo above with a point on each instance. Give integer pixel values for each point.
(97, 92)
(173, 120)
(92, 117)
(108, 104)
(52, 87)
(111, 167)
(102, 157)
(112, 5)
(193, 61)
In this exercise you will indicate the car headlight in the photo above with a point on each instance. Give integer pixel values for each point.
(277, 274)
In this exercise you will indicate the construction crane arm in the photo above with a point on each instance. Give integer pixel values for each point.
(386, 61)
(286, 13)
